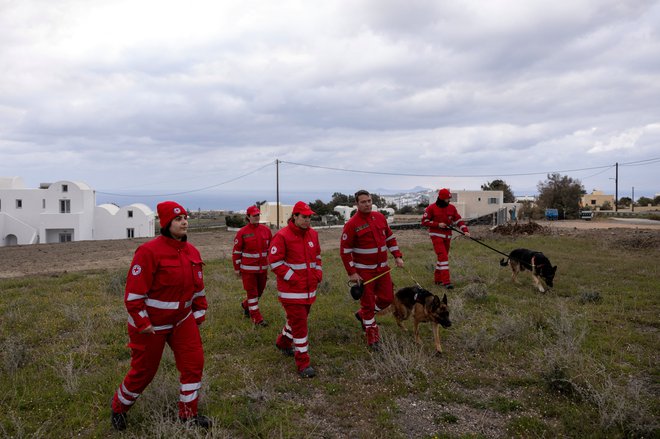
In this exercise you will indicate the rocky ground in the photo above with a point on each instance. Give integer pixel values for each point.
(27, 260)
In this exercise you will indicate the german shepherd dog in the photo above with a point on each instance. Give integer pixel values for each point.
(424, 307)
(522, 259)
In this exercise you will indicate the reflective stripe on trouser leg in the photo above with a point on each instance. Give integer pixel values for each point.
(254, 283)
(296, 316)
(186, 344)
(285, 339)
(146, 352)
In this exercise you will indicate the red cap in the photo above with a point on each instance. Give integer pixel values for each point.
(303, 208)
(168, 210)
(253, 210)
(444, 194)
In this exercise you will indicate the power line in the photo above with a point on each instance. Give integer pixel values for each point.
(398, 174)
(189, 191)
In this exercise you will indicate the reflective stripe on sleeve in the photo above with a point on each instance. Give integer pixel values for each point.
(133, 296)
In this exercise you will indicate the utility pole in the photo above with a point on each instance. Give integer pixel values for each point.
(632, 203)
(616, 189)
(277, 190)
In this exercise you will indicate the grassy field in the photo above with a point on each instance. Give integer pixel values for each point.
(580, 361)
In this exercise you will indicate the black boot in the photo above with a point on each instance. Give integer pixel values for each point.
(308, 372)
(119, 421)
(200, 421)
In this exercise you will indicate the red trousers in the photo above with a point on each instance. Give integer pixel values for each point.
(146, 352)
(254, 285)
(294, 333)
(441, 249)
(376, 295)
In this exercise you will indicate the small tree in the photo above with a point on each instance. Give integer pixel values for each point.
(644, 201)
(561, 193)
(606, 206)
(625, 201)
(500, 185)
(656, 201)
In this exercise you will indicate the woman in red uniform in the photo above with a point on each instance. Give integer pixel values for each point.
(166, 302)
(295, 258)
(438, 217)
(250, 262)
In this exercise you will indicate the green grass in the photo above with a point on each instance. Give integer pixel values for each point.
(579, 361)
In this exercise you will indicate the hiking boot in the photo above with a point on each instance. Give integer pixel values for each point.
(262, 323)
(289, 352)
(200, 421)
(449, 286)
(246, 312)
(119, 421)
(308, 372)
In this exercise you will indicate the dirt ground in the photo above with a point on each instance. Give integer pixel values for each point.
(50, 259)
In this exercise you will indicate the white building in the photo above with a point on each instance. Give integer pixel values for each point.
(65, 211)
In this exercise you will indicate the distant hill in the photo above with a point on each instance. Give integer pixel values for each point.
(416, 189)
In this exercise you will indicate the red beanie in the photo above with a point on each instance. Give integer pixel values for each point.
(444, 194)
(168, 210)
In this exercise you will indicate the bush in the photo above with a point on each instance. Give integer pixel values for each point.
(236, 221)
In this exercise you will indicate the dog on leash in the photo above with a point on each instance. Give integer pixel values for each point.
(423, 306)
(537, 263)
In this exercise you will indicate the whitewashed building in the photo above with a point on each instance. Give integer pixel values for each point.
(65, 211)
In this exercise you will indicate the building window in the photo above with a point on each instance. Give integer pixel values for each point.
(130, 215)
(130, 233)
(19, 204)
(43, 203)
(593, 202)
(65, 237)
(492, 201)
(65, 188)
(65, 206)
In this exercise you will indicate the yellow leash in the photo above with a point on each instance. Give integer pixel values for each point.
(379, 276)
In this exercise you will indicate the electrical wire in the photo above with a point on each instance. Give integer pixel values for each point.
(189, 191)
(443, 175)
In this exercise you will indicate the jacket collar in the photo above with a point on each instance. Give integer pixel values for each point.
(175, 244)
(295, 229)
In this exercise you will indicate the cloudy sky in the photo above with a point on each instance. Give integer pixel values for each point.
(157, 97)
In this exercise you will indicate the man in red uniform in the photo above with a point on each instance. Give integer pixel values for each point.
(438, 217)
(364, 246)
(166, 303)
(295, 258)
(250, 262)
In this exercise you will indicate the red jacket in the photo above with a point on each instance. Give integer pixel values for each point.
(434, 214)
(365, 241)
(250, 253)
(295, 258)
(165, 285)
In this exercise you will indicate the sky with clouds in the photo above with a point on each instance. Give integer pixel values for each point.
(160, 97)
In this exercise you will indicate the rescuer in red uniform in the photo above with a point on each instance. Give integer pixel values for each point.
(166, 303)
(250, 258)
(295, 258)
(365, 242)
(438, 217)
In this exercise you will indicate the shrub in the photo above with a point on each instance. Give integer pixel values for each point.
(476, 292)
(236, 221)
